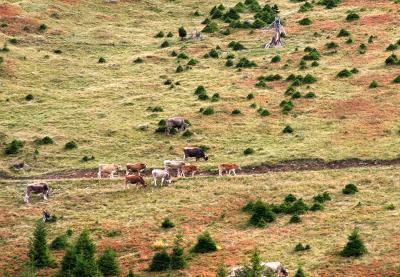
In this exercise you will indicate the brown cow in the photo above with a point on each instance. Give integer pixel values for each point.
(134, 179)
(135, 168)
(110, 169)
(189, 168)
(229, 168)
(37, 188)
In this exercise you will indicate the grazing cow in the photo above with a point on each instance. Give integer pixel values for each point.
(110, 169)
(189, 168)
(175, 122)
(174, 165)
(134, 179)
(229, 168)
(136, 167)
(272, 268)
(162, 174)
(42, 188)
(194, 152)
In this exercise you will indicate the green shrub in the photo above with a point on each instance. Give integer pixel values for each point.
(182, 32)
(193, 62)
(316, 207)
(208, 111)
(221, 271)
(315, 64)
(312, 56)
(392, 47)
(60, 242)
(300, 247)
(187, 133)
(310, 95)
(245, 63)
(39, 254)
(373, 84)
(352, 17)
(13, 147)
(183, 56)
(390, 207)
(231, 14)
(215, 97)
(307, 6)
(236, 112)
(355, 246)
(250, 96)
(203, 96)
(290, 198)
(263, 112)
(248, 151)
(70, 145)
(108, 264)
(261, 84)
(295, 219)
(322, 197)
(102, 60)
(297, 207)
(178, 260)
(287, 130)
(42, 27)
(261, 214)
(344, 74)
(165, 44)
(276, 59)
(236, 46)
(300, 272)
(131, 274)
(286, 106)
(138, 60)
(296, 95)
(13, 41)
(350, 189)
(226, 32)
(205, 243)
(200, 90)
(392, 60)
(330, 4)
(213, 54)
(160, 261)
(305, 21)
(349, 41)
(229, 63)
(343, 33)
(211, 27)
(397, 80)
(179, 69)
(29, 97)
(160, 34)
(45, 140)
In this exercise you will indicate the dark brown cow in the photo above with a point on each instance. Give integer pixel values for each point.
(135, 168)
(134, 179)
(37, 188)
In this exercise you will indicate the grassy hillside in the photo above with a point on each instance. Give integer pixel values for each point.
(136, 216)
(103, 107)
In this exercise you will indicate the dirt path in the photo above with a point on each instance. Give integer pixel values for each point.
(291, 165)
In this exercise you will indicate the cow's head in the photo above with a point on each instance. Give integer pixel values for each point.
(119, 167)
(284, 271)
(185, 126)
(205, 157)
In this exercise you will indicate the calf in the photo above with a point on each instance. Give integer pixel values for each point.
(42, 188)
(174, 165)
(188, 168)
(134, 179)
(229, 168)
(136, 167)
(110, 169)
(194, 152)
(175, 122)
(162, 174)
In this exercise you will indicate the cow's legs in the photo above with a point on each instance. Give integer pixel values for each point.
(179, 172)
(99, 174)
(220, 171)
(184, 157)
(193, 173)
(112, 174)
(234, 172)
(44, 196)
(26, 198)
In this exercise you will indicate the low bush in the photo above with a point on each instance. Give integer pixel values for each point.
(13, 147)
(253, 105)
(170, 35)
(390, 207)
(250, 96)
(297, 207)
(200, 90)
(392, 47)
(102, 60)
(211, 27)
(322, 197)
(155, 109)
(160, 261)
(208, 111)
(245, 63)
(300, 247)
(313, 55)
(397, 80)
(108, 264)
(344, 74)
(300, 272)
(263, 112)
(331, 45)
(355, 246)
(296, 95)
(193, 62)
(165, 44)
(330, 4)
(215, 97)
(182, 32)
(310, 95)
(44, 141)
(261, 84)
(29, 97)
(248, 151)
(270, 78)
(286, 106)
(179, 69)
(276, 59)
(392, 60)
(87, 158)
(295, 219)
(167, 224)
(373, 84)
(236, 46)
(343, 33)
(160, 34)
(307, 6)
(213, 54)
(138, 60)
(13, 41)
(205, 243)
(183, 56)
(236, 112)
(202, 96)
(349, 41)
(316, 207)
(352, 17)
(229, 63)
(315, 64)
(287, 130)
(350, 189)
(60, 242)
(261, 214)
(174, 54)
(305, 21)
(187, 134)
(70, 145)
(290, 198)
(42, 27)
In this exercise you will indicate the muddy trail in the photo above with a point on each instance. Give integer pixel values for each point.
(284, 166)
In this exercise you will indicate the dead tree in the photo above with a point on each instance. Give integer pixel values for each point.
(279, 32)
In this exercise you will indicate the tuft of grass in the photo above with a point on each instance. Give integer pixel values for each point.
(350, 189)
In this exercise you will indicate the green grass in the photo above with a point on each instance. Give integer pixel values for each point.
(104, 207)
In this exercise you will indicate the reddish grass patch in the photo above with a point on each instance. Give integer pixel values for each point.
(7, 11)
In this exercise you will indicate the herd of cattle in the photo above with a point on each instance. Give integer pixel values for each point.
(133, 172)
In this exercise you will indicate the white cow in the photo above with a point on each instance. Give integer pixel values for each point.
(110, 169)
(162, 174)
(174, 165)
(275, 268)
